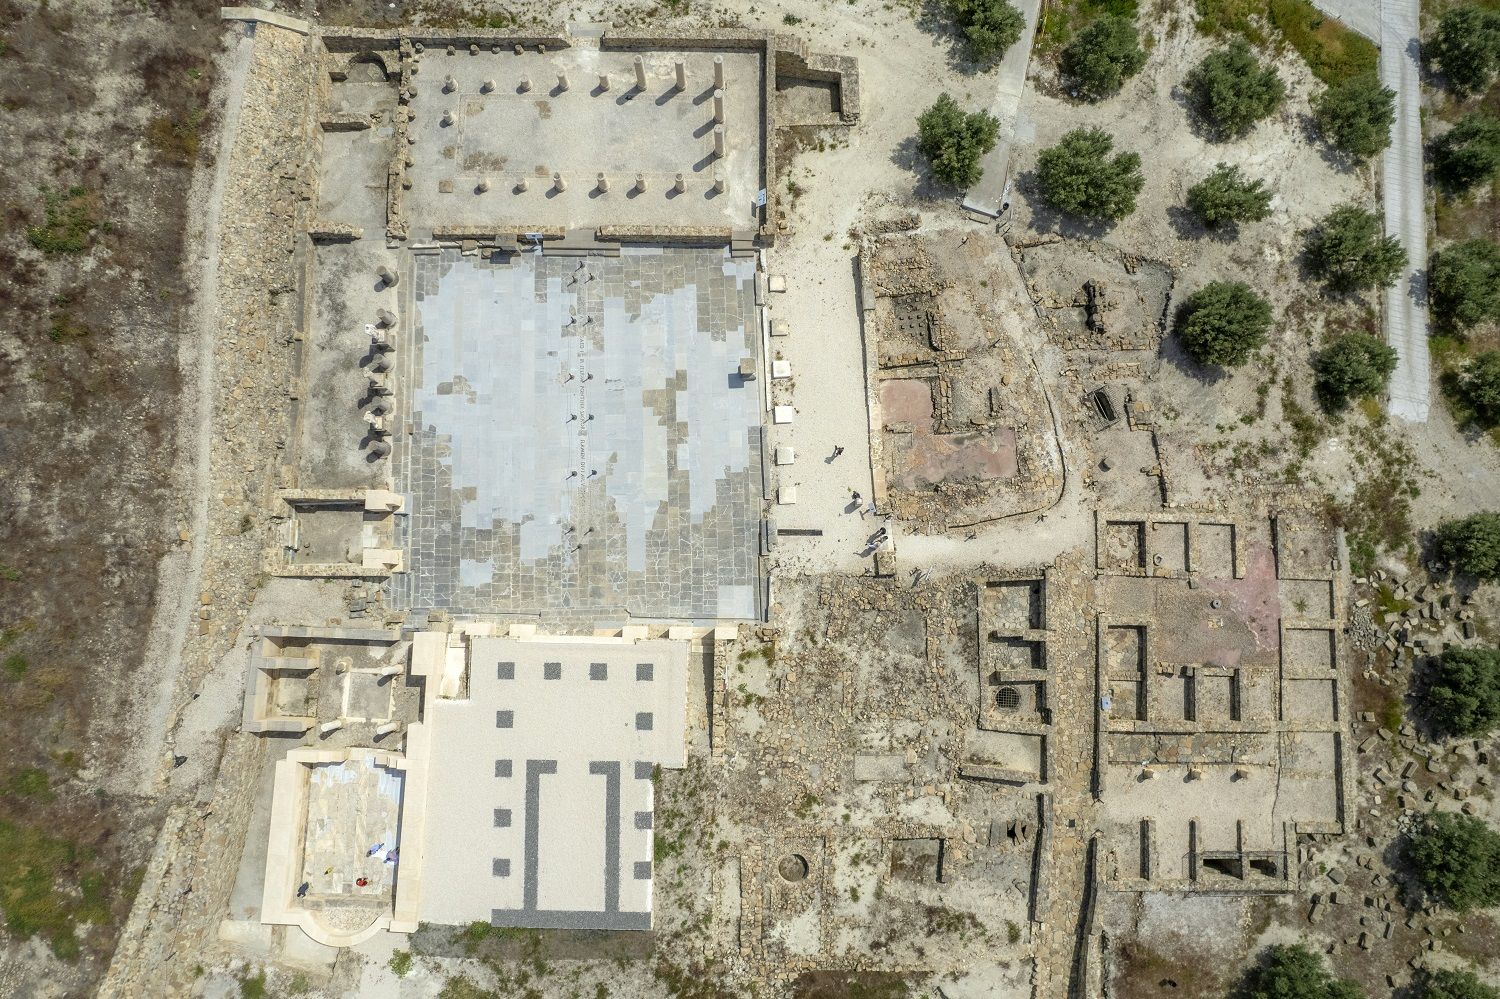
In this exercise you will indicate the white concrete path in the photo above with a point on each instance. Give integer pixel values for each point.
(1395, 26)
(987, 195)
(1406, 210)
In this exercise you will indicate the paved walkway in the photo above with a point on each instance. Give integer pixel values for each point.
(1394, 25)
(1406, 210)
(1010, 80)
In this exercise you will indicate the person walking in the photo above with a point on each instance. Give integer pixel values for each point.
(837, 450)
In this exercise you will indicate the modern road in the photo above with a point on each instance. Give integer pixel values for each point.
(1406, 210)
(1395, 26)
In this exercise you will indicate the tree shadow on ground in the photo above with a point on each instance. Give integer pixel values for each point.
(1191, 229)
(937, 19)
(1045, 218)
(908, 156)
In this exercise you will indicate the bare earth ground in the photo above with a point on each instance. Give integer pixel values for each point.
(104, 104)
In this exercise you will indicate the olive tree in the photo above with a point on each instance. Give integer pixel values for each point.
(1465, 283)
(955, 140)
(1479, 387)
(1356, 114)
(1457, 859)
(989, 26)
(1467, 47)
(1103, 56)
(1469, 152)
(1355, 366)
(1349, 251)
(1080, 177)
(1291, 971)
(1227, 197)
(1231, 90)
(1462, 694)
(1471, 544)
(1223, 323)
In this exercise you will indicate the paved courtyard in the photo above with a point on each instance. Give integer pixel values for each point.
(584, 444)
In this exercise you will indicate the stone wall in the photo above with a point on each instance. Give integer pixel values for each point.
(261, 234)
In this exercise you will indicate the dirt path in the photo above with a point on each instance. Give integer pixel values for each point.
(147, 763)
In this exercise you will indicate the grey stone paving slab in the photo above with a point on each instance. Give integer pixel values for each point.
(583, 440)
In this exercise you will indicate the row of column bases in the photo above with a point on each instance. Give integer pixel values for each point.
(679, 71)
(601, 184)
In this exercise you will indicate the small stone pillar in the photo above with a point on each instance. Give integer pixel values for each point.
(473, 48)
(680, 185)
(447, 119)
(719, 72)
(522, 184)
(558, 182)
(387, 276)
(488, 87)
(603, 82)
(380, 447)
(719, 106)
(449, 84)
(640, 73)
(541, 50)
(1194, 772)
(681, 75)
(520, 48)
(719, 141)
(603, 183)
(640, 182)
(394, 669)
(483, 185)
(327, 728)
(718, 183)
(562, 82)
(389, 728)
(386, 317)
(525, 84)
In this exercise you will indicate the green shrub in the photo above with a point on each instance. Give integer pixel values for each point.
(1448, 983)
(1469, 152)
(954, 141)
(1294, 972)
(72, 218)
(1349, 251)
(400, 963)
(990, 26)
(48, 885)
(1355, 366)
(1332, 51)
(29, 782)
(1080, 177)
(1457, 859)
(1356, 115)
(1231, 91)
(1471, 544)
(1227, 197)
(1103, 56)
(1467, 47)
(1463, 692)
(1479, 387)
(1223, 323)
(1465, 283)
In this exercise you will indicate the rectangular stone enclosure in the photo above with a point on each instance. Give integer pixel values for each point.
(583, 442)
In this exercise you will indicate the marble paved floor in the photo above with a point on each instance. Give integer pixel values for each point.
(583, 442)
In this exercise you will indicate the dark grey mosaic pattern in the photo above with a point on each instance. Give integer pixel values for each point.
(583, 441)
